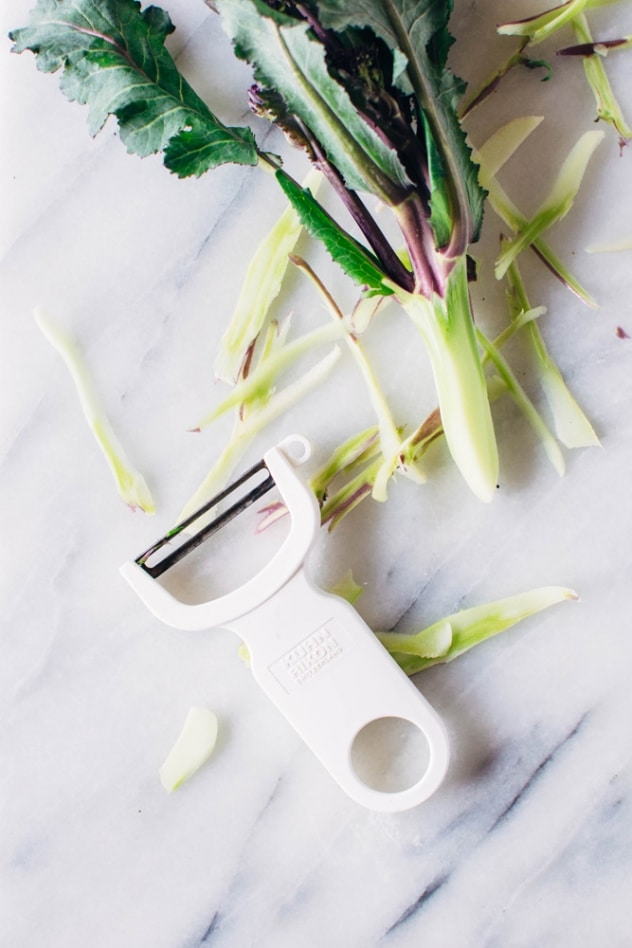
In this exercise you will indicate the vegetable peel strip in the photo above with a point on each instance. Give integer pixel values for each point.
(130, 483)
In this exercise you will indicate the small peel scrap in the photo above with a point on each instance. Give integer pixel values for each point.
(130, 484)
(192, 749)
(347, 588)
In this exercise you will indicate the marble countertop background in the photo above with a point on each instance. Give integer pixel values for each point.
(529, 841)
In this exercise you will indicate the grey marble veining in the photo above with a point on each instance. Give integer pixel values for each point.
(528, 842)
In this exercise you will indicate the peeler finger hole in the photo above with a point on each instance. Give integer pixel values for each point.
(390, 754)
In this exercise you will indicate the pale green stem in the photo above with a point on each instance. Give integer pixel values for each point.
(447, 328)
(389, 436)
(608, 108)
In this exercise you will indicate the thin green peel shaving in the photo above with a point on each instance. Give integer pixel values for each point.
(557, 203)
(525, 404)
(491, 156)
(130, 483)
(247, 426)
(450, 637)
(572, 427)
(262, 284)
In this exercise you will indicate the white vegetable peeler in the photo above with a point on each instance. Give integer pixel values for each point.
(310, 651)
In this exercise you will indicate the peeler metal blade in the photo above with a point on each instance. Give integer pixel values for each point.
(197, 537)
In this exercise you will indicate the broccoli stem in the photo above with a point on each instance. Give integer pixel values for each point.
(446, 325)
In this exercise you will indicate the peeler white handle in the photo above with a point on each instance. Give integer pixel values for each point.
(324, 669)
(311, 652)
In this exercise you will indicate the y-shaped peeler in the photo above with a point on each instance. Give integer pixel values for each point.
(310, 651)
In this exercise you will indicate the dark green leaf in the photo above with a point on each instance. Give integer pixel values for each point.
(351, 256)
(418, 30)
(113, 59)
(440, 212)
(289, 61)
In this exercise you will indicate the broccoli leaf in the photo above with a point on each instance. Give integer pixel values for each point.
(440, 212)
(286, 59)
(357, 263)
(113, 59)
(418, 30)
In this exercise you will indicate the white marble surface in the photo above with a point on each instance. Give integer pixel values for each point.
(528, 842)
